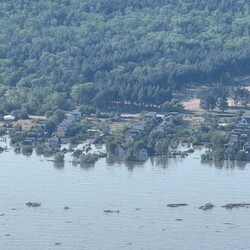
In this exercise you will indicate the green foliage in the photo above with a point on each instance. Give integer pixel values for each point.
(16, 136)
(241, 156)
(59, 157)
(51, 124)
(88, 159)
(55, 54)
(27, 150)
(130, 155)
(110, 147)
(172, 106)
(161, 147)
(240, 96)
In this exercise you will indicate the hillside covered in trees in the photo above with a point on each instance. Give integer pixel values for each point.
(62, 53)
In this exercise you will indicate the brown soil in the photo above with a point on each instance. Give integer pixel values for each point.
(192, 105)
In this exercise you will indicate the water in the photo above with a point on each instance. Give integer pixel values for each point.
(140, 192)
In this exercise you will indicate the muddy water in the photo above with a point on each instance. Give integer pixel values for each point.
(139, 192)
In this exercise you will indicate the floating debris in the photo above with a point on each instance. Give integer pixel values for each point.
(207, 206)
(58, 243)
(236, 205)
(33, 204)
(111, 211)
(2, 214)
(66, 208)
(177, 205)
(179, 219)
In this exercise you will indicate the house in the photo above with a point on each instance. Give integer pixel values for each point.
(41, 126)
(120, 150)
(32, 135)
(244, 121)
(77, 114)
(28, 142)
(169, 120)
(233, 140)
(130, 139)
(138, 127)
(142, 152)
(71, 118)
(246, 147)
(61, 131)
(54, 142)
(150, 115)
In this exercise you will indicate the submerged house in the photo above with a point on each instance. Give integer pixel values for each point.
(54, 142)
(120, 150)
(69, 120)
(142, 152)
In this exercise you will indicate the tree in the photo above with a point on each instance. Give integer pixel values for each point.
(83, 93)
(161, 146)
(222, 103)
(59, 157)
(208, 102)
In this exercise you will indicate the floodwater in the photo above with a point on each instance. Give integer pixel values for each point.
(139, 192)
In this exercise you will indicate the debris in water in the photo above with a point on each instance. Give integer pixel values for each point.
(111, 211)
(236, 205)
(207, 206)
(177, 205)
(33, 204)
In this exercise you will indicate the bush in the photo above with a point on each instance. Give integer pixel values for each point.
(88, 159)
(241, 156)
(58, 157)
(27, 150)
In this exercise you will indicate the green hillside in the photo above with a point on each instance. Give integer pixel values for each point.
(134, 51)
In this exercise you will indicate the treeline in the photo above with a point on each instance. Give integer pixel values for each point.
(217, 97)
(47, 48)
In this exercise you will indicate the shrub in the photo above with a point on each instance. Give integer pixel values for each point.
(58, 157)
(88, 159)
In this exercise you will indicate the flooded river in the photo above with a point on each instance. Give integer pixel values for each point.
(139, 192)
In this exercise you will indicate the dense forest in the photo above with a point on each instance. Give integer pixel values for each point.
(61, 53)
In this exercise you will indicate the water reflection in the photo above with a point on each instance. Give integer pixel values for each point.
(227, 164)
(131, 165)
(113, 160)
(86, 166)
(58, 165)
(241, 164)
(160, 161)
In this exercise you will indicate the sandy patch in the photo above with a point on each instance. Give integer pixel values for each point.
(193, 104)
(25, 124)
